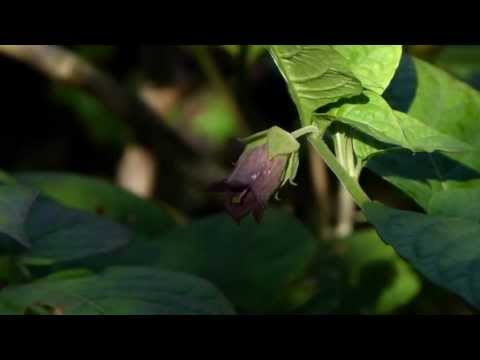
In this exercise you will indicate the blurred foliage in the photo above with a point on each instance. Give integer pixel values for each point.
(208, 117)
(462, 61)
(379, 280)
(98, 54)
(103, 127)
(253, 52)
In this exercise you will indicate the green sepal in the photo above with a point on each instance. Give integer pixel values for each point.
(256, 143)
(291, 169)
(281, 142)
(254, 137)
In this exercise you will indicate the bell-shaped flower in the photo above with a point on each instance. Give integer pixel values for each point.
(268, 162)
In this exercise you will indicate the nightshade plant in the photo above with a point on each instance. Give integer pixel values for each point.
(359, 106)
(345, 84)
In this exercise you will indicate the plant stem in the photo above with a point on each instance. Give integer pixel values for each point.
(345, 213)
(309, 129)
(346, 179)
(346, 206)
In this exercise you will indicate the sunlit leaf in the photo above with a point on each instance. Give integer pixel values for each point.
(373, 65)
(316, 75)
(446, 105)
(372, 115)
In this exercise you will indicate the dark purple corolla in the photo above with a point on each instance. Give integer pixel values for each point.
(255, 178)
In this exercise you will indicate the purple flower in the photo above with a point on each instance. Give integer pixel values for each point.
(252, 182)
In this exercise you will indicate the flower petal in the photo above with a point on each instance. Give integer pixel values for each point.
(238, 210)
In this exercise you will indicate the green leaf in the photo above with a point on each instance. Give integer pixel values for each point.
(316, 75)
(446, 105)
(372, 115)
(15, 204)
(373, 65)
(100, 197)
(462, 203)
(117, 291)
(379, 281)
(444, 249)
(256, 266)
(59, 234)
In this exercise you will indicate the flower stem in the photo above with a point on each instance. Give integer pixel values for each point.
(347, 180)
(309, 129)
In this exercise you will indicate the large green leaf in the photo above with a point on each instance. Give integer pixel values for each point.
(15, 204)
(100, 197)
(316, 75)
(421, 175)
(446, 105)
(378, 280)
(462, 203)
(259, 267)
(371, 114)
(445, 249)
(50, 232)
(59, 234)
(116, 291)
(373, 65)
